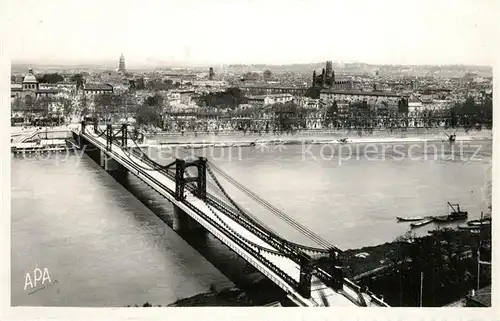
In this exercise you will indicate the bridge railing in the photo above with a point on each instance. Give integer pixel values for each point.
(372, 296)
(224, 208)
(212, 200)
(288, 280)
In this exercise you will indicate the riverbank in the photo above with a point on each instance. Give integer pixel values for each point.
(223, 298)
(238, 139)
(368, 265)
(257, 294)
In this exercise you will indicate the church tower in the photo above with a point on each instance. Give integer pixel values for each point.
(30, 87)
(121, 64)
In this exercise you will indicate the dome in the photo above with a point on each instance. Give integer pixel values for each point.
(30, 78)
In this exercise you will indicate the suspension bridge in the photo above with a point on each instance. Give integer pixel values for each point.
(311, 276)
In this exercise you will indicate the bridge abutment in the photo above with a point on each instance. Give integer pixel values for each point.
(182, 222)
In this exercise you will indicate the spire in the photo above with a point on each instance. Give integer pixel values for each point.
(121, 63)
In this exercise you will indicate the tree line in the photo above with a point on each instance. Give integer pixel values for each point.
(43, 108)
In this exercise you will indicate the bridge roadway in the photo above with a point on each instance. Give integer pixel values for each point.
(232, 234)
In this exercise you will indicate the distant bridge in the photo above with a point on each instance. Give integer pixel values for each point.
(311, 276)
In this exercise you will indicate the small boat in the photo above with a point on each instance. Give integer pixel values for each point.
(469, 228)
(422, 223)
(343, 141)
(410, 219)
(480, 223)
(452, 137)
(451, 218)
(455, 215)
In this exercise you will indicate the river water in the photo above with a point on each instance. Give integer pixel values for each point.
(102, 245)
(106, 248)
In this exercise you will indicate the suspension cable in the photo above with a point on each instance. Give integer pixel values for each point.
(306, 232)
(311, 235)
(274, 210)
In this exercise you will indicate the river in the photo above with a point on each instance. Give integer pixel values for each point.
(102, 245)
(106, 248)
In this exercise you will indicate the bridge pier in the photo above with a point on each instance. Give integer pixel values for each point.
(306, 269)
(182, 222)
(110, 165)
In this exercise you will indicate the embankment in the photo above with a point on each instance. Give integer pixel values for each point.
(239, 139)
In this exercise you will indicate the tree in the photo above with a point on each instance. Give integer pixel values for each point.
(83, 105)
(268, 74)
(78, 78)
(313, 92)
(228, 99)
(156, 100)
(487, 112)
(126, 104)
(148, 115)
(331, 117)
(158, 85)
(453, 112)
(105, 105)
(403, 106)
(17, 104)
(67, 107)
(43, 106)
(288, 116)
(140, 84)
(51, 78)
(151, 111)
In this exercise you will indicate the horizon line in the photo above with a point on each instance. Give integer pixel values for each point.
(200, 65)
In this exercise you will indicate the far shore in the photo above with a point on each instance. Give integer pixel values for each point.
(238, 139)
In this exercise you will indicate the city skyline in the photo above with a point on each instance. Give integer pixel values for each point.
(199, 33)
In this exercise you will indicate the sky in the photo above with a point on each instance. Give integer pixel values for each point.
(204, 32)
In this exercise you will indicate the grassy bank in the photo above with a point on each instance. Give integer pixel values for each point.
(393, 270)
(234, 138)
(446, 260)
(257, 294)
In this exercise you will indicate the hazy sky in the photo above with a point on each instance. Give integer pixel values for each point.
(251, 31)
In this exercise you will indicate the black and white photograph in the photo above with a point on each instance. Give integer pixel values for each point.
(249, 153)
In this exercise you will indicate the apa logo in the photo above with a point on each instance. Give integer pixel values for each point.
(38, 276)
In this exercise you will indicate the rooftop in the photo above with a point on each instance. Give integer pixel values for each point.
(30, 78)
(273, 87)
(361, 93)
(259, 97)
(98, 87)
(47, 90)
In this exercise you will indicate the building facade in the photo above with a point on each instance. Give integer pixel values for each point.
(94, 89)
(327, 79)
(270, 90)
(371, 98)
(30, 89)
(264, 100)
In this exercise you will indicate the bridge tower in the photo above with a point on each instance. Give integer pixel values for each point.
(183, 221)
(79, 140)
(201, 179)
(124, 132)
(109, 137)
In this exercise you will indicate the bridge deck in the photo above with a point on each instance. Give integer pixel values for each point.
(321, 294)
